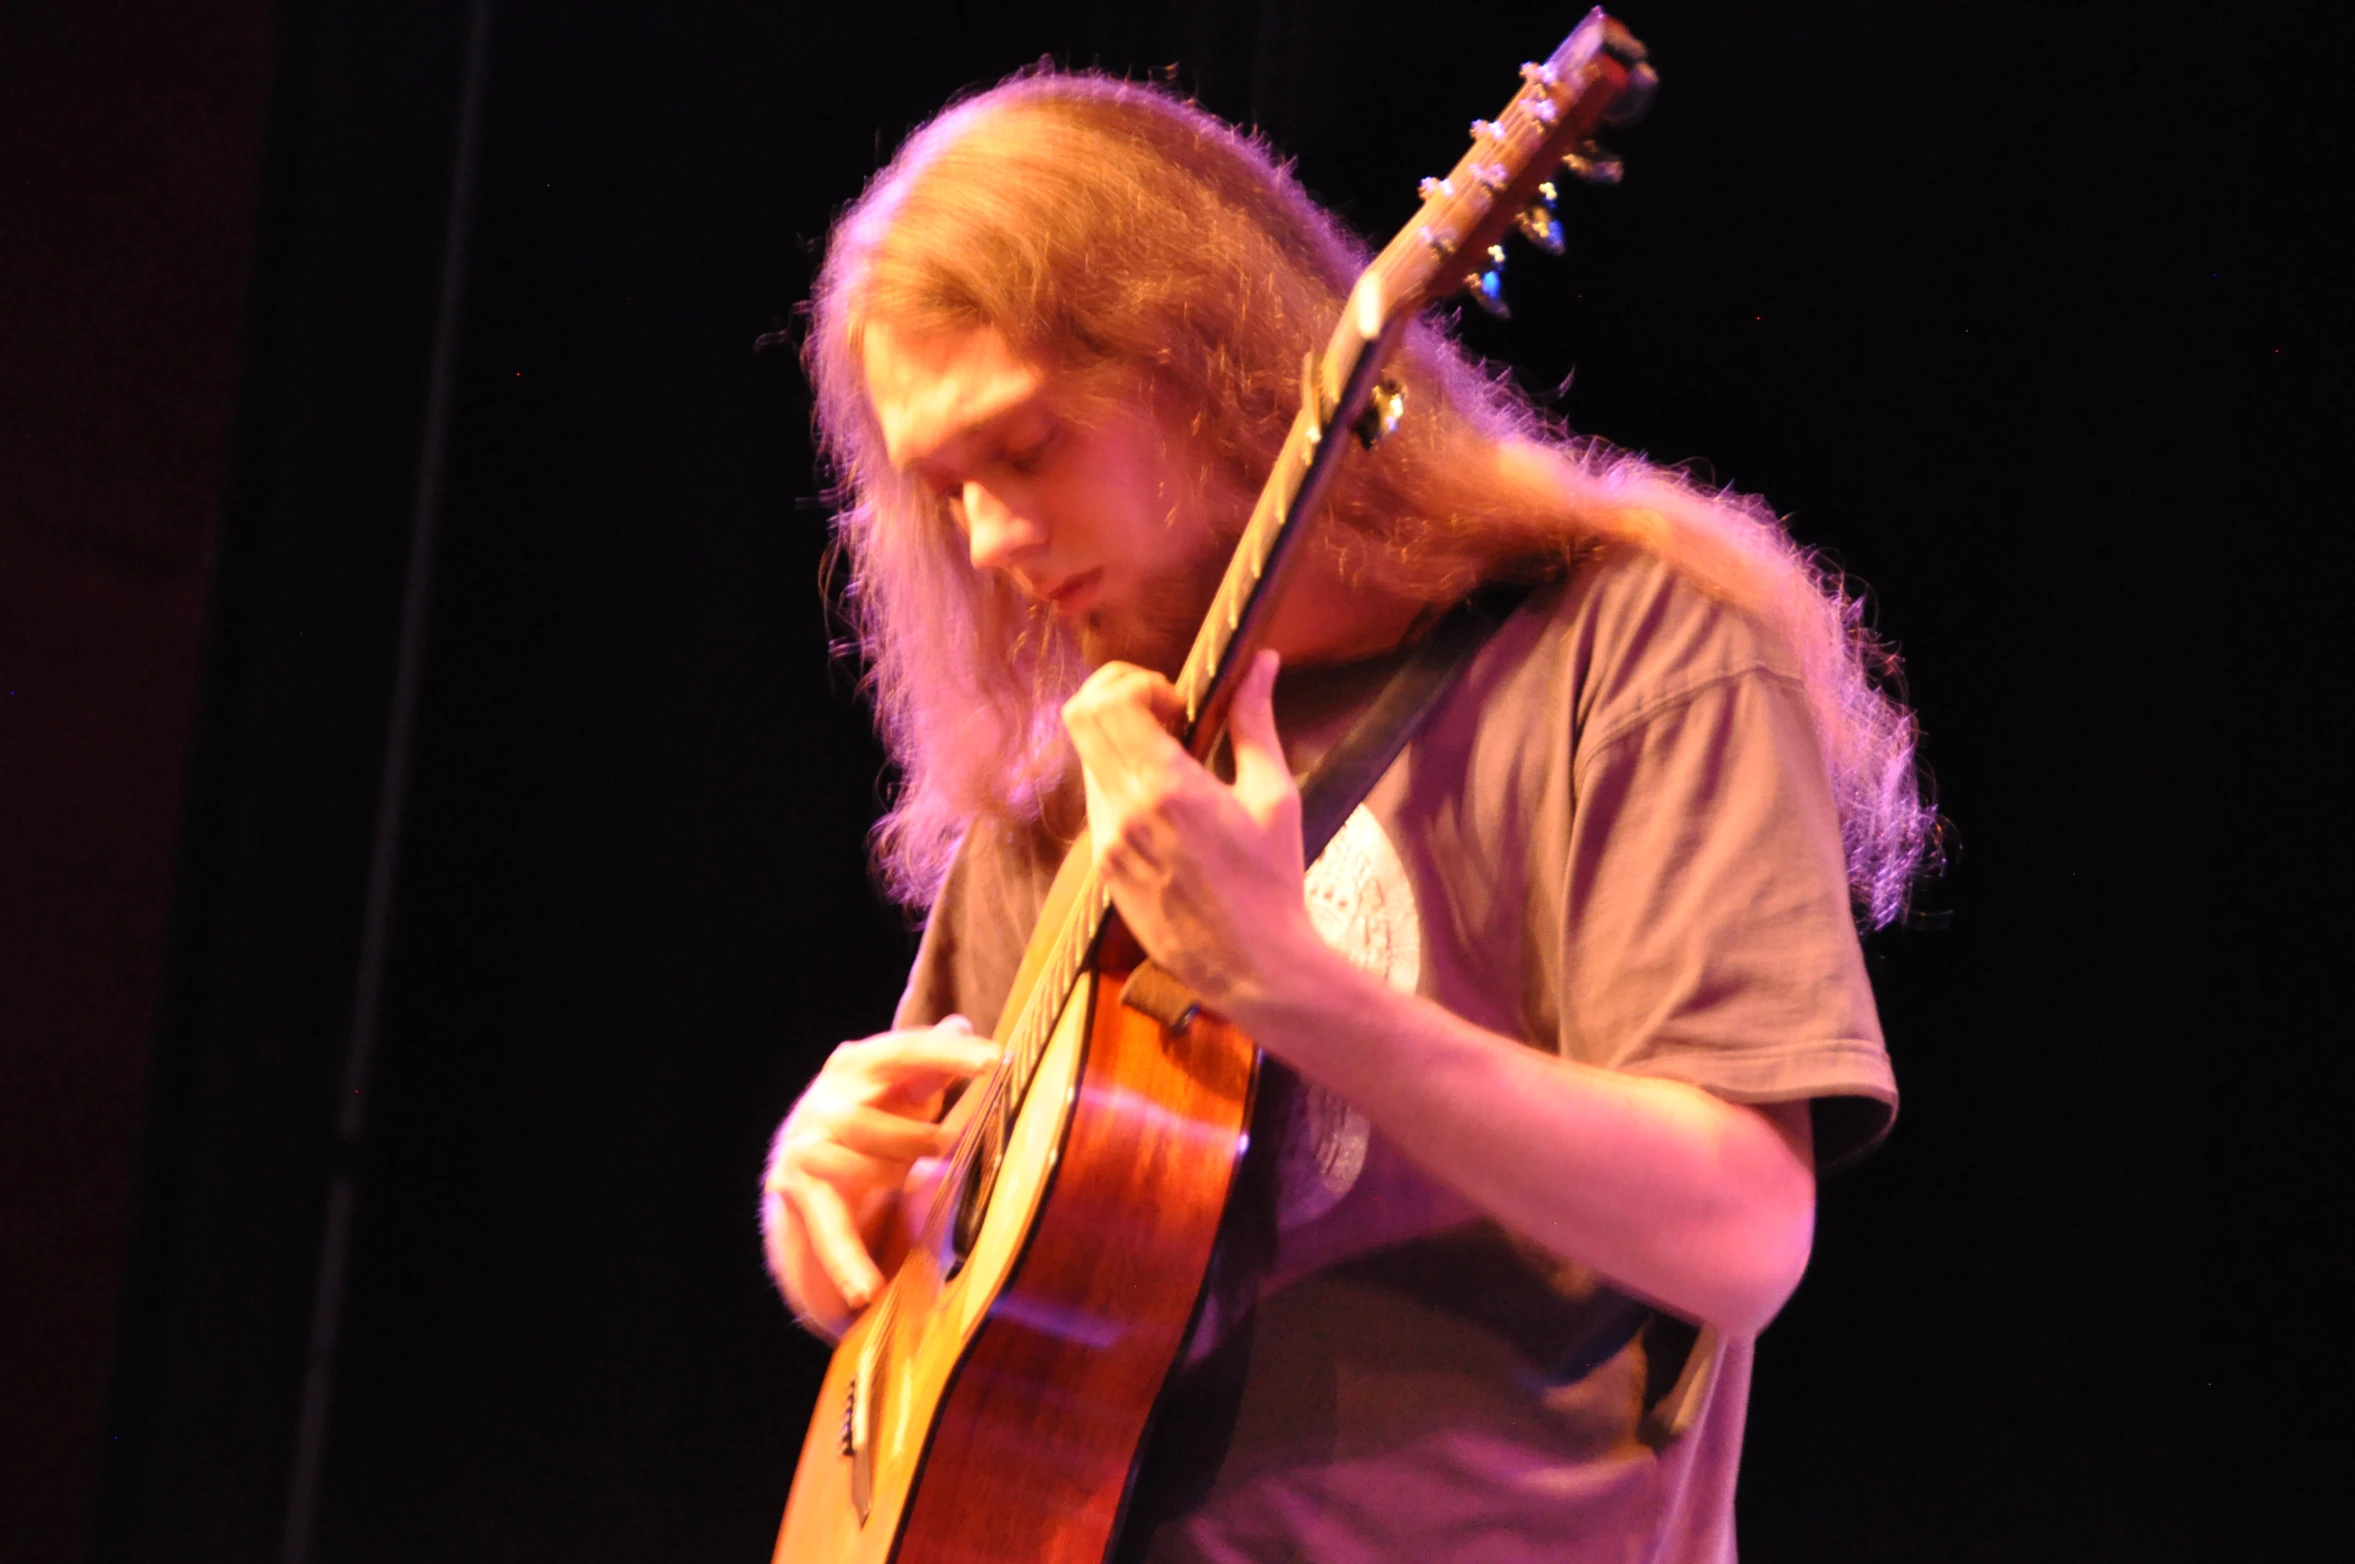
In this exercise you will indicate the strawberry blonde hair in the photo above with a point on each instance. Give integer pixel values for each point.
(1143, 248)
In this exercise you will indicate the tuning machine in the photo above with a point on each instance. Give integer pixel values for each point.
(1487, 285)
(1591, 164)
(1384, 408)
(1537, 222)
(1633, 100)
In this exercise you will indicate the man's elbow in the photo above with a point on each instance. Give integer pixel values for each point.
(1772, 1227)
(1767, 1259)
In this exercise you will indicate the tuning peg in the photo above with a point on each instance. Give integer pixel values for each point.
(1384, 408)
(1487, 285)
(1631, 102)
(1538, 223)
(1592, 165)
(1538, 85)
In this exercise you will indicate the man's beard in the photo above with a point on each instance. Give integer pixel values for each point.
(1158, 630)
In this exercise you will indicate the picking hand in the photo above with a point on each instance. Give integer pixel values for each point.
(848, 1150)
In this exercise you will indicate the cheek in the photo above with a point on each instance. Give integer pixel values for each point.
(1166, 523)
(1131, 498)
(1116, 515)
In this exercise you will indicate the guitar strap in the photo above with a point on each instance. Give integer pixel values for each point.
(1349, 770)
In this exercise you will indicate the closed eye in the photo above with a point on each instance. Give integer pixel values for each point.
(1030, 456)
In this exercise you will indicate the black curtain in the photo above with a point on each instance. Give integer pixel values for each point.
(525, 883)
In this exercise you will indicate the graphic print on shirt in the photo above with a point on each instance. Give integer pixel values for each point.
(1363, 906)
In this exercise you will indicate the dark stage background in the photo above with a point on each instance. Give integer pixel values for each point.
(519, 879)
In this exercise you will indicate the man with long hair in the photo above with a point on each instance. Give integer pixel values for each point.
(1576, 993)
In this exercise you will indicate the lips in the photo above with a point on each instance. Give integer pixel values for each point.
(1071, 594)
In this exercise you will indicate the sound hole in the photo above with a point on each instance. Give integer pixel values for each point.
(979, 1183)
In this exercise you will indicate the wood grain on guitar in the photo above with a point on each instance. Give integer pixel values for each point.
(989, 1407)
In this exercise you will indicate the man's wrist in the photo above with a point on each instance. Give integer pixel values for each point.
(1300, 995)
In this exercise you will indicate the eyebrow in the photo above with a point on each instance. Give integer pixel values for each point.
(978, 432)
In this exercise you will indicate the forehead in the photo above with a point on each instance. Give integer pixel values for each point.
(933, 391)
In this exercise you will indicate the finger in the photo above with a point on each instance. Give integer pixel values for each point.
(774, 1220)
(1263, 779)
(1095, 758)
(1160, 699)
(935, 1056)
(1111, 786)
(921, 1192)
(887, 1137)
(844, 1167)
(1119, 722)
(834, 1237)
(1126, 684)
(960, 1113)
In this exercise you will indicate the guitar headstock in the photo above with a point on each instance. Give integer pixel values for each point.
(1599, 76)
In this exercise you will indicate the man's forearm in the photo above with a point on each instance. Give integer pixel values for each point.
(1703, 1206)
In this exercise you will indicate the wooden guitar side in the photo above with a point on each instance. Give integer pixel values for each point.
(1009, 1401)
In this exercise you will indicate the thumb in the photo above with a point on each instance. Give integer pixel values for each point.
(1263, 780)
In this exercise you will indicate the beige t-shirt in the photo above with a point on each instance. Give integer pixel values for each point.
(1614, 840)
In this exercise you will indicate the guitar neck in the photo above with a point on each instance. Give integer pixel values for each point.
(1335, 394)
(1505, 174)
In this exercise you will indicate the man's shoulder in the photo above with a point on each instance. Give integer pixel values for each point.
(1001, 862)
(980, 923)
(1625, 633)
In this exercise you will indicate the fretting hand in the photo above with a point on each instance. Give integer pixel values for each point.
(1206, 874)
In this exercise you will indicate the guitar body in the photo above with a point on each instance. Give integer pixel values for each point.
(1019, 1388)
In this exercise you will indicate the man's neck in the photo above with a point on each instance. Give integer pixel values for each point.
(1325, 618)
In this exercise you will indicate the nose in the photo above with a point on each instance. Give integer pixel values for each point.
(998, 536)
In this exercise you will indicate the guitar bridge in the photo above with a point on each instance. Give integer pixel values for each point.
(858, 1424)
(1153, 992)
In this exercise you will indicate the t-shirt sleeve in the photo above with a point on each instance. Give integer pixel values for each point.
(1707, 929)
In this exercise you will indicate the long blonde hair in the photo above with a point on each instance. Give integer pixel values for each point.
(1131, 241)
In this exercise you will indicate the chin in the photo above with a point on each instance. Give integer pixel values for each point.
(1157, 631)
(1157, 643)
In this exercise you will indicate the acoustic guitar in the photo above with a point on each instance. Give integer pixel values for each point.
(990, 1404)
